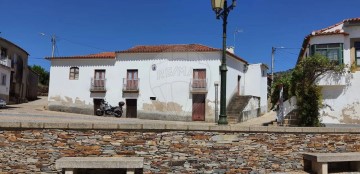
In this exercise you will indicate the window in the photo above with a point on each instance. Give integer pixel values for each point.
(3, 79)
(357, 53)
(3, 53)
(333, 51)
(74, 73)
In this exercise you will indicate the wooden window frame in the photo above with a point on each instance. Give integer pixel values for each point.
(74, 73)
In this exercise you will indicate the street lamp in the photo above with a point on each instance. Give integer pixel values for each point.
(222, 11)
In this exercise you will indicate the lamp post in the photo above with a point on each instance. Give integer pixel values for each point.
(222, 11)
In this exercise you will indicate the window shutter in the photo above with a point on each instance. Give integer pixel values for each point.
(312, 50)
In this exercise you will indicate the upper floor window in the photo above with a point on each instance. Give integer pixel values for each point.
(3, 53)
(333, 51)
(74, 73)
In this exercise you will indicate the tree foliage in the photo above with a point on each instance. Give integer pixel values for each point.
(301, 83)
(43, 74)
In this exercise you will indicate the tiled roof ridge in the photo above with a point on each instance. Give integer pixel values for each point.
(337, 24)
(168, 47)
(107, 54)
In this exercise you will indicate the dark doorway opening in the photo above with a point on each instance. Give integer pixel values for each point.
(198, 111)
(97, 103)
(131, 108)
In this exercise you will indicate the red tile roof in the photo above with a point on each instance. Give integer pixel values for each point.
(169, 48)
(323, 32)
(176, 48)
(103, 55)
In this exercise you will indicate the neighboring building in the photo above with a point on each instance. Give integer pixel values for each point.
(167, 82)
(340, 43)
(17, 59)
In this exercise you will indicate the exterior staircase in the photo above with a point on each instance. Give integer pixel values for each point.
(290, 120)
(236, 106)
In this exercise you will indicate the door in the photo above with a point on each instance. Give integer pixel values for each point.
(131, 108)
(132, 80)
(357, 53)
(97, 103)
(198, 110)
(238, 85)
(199, 76)
(99, 78)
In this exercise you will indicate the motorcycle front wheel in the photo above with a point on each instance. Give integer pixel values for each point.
(118, 114)
(99, 113)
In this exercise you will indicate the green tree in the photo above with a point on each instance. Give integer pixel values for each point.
(303, 86)
(43, 74)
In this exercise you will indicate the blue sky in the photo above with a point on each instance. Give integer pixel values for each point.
(91, 26)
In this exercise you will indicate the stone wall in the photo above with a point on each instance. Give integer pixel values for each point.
(36, 150)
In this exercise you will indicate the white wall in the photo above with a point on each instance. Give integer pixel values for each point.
(256, 84)
(169, 83)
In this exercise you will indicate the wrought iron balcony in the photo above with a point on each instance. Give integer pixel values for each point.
(198, 86)
(131, 85)
(98, 85)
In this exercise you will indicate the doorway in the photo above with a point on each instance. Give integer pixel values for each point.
(198, 110)
(97, 103)
(131, 108)
(238, 85)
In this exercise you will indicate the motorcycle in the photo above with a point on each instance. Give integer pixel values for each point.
(106, 108)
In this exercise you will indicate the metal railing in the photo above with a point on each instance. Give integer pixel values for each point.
(198, 85)
(98, 84)
(131, 84)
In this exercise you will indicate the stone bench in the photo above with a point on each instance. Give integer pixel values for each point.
(321, 163)
(79, 165)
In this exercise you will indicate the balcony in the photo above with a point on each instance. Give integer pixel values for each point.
(98, 85)
(5, 61)
(131, 85)
(198, 86)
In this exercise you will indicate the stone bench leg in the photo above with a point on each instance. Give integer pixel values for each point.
(319, 168)
(69, 171)
(130, 171)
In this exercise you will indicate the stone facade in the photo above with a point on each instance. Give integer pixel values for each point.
(36, 150)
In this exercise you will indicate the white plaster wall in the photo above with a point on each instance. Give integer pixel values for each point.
(256, 84)
(71, 90)
(235, 69)
(169, 83)
(342, 103)
(4, 89)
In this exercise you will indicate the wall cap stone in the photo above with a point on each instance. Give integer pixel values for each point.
(177, 127)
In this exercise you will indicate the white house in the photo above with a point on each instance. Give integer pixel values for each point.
(167, 82)
(340, 43)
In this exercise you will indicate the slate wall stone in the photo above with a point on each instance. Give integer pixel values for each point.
(36, 150)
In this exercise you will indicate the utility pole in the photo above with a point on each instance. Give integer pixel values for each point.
(53, 42)
(273, 49)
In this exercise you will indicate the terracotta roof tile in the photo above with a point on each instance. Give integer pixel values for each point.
(103, 55)
(176, 48)
(169, 48)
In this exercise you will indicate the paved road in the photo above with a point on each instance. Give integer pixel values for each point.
(35, 111)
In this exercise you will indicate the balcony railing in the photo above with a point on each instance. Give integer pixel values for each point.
(198, 85)
(98, 85)
(131, 85)
(5, 61)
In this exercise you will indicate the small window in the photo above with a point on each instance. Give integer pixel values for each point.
(3, 79)
(3, 53)
(74, 73)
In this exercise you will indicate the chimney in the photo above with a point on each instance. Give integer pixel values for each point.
(231, 49)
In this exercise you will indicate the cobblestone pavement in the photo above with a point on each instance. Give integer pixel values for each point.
(36, 111)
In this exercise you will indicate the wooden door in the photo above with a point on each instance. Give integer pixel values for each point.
(99, 78)
(198, 111)
(199, 76)
(131, 108)
(132, 79)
